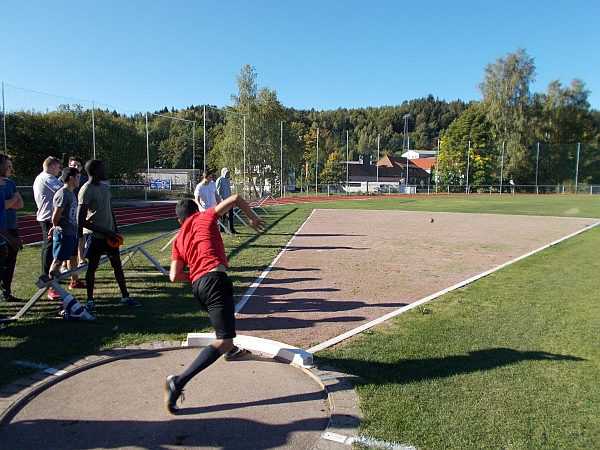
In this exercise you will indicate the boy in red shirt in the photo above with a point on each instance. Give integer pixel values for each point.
(199, 246)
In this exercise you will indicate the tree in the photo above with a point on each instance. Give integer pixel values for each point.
(335, 170)
(263, 117)
(506, 101)
(471, 130)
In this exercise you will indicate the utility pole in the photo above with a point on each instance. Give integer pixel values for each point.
(405, 141)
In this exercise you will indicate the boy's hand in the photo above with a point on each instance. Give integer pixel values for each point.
(258, 224)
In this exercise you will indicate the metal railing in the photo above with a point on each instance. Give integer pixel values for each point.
(44, 283)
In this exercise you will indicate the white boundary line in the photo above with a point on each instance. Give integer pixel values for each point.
(239, 305)
(388, 316)
(371, 324)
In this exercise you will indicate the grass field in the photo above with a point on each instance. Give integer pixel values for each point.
(511, 361)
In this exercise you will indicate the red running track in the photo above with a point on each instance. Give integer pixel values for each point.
(31, 232)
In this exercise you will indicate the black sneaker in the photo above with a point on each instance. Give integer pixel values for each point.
(234, 353)
(171, 395)
(90, 307)
(12, 298)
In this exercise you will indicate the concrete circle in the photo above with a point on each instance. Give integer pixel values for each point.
(251, 402)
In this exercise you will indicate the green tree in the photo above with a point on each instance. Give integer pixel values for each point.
(261, 159)
(506, 101)
(335, 170)
(471, 129)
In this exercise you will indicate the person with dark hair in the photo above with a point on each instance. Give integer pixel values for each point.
(5, 236)
(13, 201)
(199, 246)
(77, 163)
(44, 187)
(64, 228)
(96, 216)
(206, 192)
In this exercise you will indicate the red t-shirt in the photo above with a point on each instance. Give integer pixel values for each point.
(199, 244)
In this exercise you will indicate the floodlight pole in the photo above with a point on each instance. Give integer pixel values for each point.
(147, 159)
(377, 165)
(577, 166)
(347, 164)
(537, 167)
(194, 149)
(405, 117)
(204, 143)
(281, 189)
(501, 167)
(4, 121)
(317, 168)
(468, 163)
(437, 163)
(94, 131)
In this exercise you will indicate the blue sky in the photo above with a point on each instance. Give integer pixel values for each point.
(145, 55)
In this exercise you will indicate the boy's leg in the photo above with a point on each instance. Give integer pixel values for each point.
(209, 355)
(115, 262)
(230, 213)
(214, 292)
(93, 254)
(72, 264)
(9, 267)
(46, 254)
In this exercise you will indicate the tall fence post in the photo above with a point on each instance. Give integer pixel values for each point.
(501, 167)
(577, 166)
(4, 121)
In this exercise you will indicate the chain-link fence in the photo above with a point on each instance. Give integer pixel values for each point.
(167, 151)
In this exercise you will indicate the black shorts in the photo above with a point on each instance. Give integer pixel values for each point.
(214, 292)
(97, 247)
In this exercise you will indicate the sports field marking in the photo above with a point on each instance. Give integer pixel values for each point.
(239, 305)
(382, 319)
(366, 255)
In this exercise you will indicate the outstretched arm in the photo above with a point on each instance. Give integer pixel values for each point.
(256, 222)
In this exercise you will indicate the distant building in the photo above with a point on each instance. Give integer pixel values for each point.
(387, 175)
(416, 154)
(424, 163)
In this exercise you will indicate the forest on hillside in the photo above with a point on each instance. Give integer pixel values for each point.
(512, 133)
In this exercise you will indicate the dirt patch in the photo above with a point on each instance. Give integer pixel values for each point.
(348, 267)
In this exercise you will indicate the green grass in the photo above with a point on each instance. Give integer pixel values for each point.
(511, 361)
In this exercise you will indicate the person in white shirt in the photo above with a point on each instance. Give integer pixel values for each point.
(44, 187)
(206, 192)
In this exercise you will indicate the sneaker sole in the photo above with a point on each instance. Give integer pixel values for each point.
(175, 409)
(242, 352)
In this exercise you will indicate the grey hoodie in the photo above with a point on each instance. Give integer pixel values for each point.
(223, 184)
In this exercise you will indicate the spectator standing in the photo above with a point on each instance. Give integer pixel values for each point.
(96, 216)
(64, 227)
(13, 201)
(199, 245)
(44, 187)
(224, 191)
(77, 163)
(206, 192)
(4, 235)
